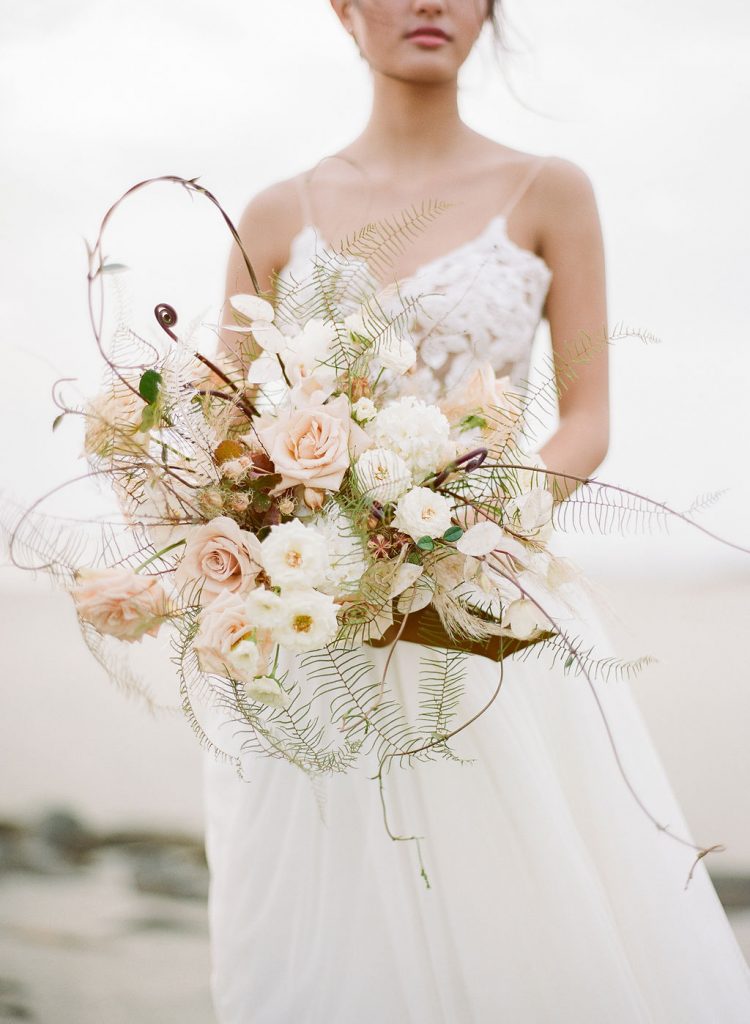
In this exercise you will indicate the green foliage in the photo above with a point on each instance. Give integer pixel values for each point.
(150, 385)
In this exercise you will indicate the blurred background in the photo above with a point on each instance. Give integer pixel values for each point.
(99, 95)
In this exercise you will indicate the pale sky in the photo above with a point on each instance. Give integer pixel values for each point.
(650, 98)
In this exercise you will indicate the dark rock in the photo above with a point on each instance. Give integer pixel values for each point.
(62, 830)
(13, 1005)
(170, 872)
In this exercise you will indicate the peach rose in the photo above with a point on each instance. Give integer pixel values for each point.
(311, 446)
(222, 625)
(222, 557)
(120, 602)
(228, 641)
(482, 394)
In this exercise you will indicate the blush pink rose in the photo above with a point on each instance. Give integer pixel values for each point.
(120, 602)
(312, 446)
(483, 394)
(222, 557)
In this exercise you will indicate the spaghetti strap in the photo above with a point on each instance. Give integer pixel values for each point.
(304, 200)
(527, 179)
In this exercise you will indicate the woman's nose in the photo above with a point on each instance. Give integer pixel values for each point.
(429, 6)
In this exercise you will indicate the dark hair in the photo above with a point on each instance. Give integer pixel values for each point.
(496, 20)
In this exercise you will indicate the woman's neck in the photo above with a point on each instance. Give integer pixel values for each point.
(411, 127)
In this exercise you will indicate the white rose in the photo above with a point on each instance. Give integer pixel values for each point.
(423, 513)
(294, 555)
(382, 475)
(364, 409)
(309, 620)
(268, 691)
(396, 353)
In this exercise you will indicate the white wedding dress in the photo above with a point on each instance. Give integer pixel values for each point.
(553, 899)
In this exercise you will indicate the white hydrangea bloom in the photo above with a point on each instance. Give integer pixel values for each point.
(419, 433)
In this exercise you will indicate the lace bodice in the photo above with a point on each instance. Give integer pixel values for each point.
(481, 302)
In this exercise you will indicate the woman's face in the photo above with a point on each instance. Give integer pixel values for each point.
(414, 40)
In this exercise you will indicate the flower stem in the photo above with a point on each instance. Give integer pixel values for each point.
(158, 554)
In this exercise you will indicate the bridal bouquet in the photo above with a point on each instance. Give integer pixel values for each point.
(290, 507)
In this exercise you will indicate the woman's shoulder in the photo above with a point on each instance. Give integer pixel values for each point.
(274, 209)
(270, 220)
(555, 175)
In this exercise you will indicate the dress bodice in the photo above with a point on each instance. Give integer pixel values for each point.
(481, 302)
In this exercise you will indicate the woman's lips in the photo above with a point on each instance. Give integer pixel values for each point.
(428, 38)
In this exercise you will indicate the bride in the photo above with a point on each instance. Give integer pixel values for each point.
(552, 897)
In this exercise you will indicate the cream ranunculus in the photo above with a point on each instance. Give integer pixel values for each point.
(219, 556)
(423, 513)
(223, 627)
(382, 475)
(311, 446)
(295, 555)
(364, 409)
(264, 608)
(120, 602)
(309, 620)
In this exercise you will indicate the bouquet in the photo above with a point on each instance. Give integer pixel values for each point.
(292, 506)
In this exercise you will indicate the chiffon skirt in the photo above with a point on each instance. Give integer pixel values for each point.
(552, 897)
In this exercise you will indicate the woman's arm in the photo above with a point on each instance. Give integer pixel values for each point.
(265, 228)
(576, 309)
